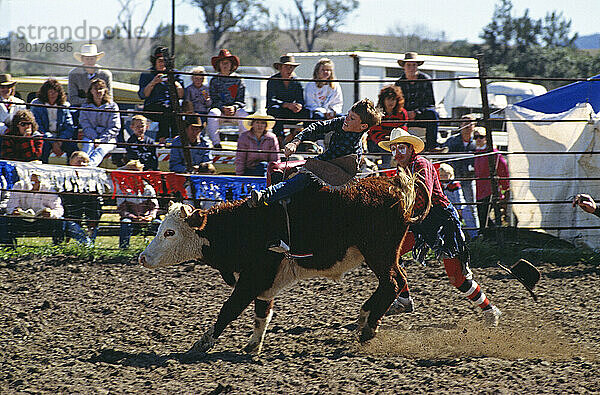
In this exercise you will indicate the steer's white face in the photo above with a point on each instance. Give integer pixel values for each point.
(175, 242)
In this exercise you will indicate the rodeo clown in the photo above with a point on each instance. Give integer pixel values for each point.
(440, 230)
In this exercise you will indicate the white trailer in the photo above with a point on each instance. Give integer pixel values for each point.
(453, 98)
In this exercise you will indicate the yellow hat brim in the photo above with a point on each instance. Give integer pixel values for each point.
(416, 142)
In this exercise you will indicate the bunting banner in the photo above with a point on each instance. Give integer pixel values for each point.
(65, 178)
(225, 187)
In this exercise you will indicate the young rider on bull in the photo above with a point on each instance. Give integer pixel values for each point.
(440, 230)
(336, 166)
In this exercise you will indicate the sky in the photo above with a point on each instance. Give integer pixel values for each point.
(458, 19)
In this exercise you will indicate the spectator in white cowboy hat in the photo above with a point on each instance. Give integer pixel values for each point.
(81, 77)
(257, 137)
(440, 230)
(227, 92)
(285, 97)
(418, 97)
(9, 104)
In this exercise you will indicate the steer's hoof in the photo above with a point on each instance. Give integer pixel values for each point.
(253, 348)
(367, 333)
(204, 344)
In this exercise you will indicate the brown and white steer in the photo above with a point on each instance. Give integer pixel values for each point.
(342, 229)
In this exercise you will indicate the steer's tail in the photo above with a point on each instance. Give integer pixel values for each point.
(406, 189)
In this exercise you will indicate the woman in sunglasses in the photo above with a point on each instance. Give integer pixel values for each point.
(441, 229)
(483, 184)
(14, 144)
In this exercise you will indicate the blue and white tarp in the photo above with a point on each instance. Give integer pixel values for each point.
(578, 103)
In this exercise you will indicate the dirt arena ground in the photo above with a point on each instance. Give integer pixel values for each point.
(91, 327)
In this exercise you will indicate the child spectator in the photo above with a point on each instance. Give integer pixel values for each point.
(138, 211)
(54, 122)
(31, 211)
(452, 189)
(324, 98)
(100, 129)
(144, 153)
(391, 103)
(80, 207)
(23, 124)
(258, 137)
(227, 94)
(197, 93)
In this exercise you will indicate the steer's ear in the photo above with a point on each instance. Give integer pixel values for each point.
(197, 220)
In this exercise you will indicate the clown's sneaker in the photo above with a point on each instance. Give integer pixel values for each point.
(492, 316)
(401, 305)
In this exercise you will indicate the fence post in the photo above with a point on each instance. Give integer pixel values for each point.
(489, 139)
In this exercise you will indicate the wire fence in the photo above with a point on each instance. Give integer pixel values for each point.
(441, 156)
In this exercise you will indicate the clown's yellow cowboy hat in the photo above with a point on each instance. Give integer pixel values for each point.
(262, 116)
(399, 135)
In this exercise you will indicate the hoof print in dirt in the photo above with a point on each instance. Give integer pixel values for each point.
(221, 389)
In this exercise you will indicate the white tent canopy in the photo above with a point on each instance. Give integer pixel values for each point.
(532, 136)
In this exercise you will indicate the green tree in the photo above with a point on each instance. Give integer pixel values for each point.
(222, 17)
(555, 31)
(306, 24)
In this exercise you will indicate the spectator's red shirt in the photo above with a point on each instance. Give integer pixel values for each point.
(427, 173)
(382, 131)
(21, 149)
(482, 170)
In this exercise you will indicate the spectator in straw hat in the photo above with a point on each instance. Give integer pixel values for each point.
(418, 97)
(257, 137)
(137, 209)
(154, 90)
(285, 96)
(227, 92)
(9, 103)
(440, 230)
(201, 156)
(81, 77)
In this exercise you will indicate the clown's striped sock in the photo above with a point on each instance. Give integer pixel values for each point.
(473, 291)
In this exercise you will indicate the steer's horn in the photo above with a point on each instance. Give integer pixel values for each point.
(197, 220)
(185, 211)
